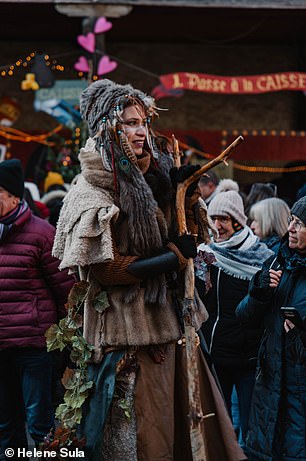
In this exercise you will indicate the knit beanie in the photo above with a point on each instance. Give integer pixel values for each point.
(301, 192)
(11, 177)
(53, 178)
(103, 100)
(299, 209)
(228, 203)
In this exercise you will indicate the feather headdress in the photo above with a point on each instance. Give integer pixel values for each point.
(104, 100)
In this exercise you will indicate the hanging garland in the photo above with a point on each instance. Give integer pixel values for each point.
(67, 334)
(17, 135)
(90, 66)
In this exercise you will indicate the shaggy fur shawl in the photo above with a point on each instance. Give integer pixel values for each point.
(83, 235)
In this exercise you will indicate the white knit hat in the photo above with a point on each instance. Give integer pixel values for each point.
(228, 203)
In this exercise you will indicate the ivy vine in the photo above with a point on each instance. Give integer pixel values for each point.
(68, 334)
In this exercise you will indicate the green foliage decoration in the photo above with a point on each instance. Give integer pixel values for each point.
(67, 334)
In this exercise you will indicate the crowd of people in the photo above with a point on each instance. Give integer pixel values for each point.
(116, 228)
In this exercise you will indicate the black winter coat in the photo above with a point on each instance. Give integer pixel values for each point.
(277, 425)
(229, 343)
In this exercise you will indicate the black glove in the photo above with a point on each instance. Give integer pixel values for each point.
(296, 333)
(260, 286)
(166, 261)
(186, 245)
(183, 172)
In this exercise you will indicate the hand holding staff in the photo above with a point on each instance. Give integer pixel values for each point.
(182, 187)
(196, 416)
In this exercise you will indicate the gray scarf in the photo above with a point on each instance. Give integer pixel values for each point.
(240, 256)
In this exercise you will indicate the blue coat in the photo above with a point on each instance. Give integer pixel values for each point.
(277, 425)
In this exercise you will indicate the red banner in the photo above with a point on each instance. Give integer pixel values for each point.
(256, 148)
(249, 84)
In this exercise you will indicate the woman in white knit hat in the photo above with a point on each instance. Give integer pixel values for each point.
(224, 269)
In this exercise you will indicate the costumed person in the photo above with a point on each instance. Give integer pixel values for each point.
(33, 295)
(118, 228)
(278, 412)
(224, 269)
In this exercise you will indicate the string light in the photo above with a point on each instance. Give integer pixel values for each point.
(268, 169)
(292, 133)
(239, 166)
(9, 70)
(10, 133)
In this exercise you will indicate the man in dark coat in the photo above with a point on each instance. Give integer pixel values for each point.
(278, 410)
(33, 294)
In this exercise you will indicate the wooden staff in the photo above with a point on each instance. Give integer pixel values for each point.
(182, 187)
(196, 416)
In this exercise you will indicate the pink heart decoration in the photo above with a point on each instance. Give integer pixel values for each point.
(102, 25)
(88, 42)
(82, 64)
(106, 65)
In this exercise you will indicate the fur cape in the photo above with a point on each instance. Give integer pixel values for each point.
(83, 234)
(83, 238)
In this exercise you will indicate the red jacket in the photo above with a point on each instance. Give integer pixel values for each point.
(33, 291)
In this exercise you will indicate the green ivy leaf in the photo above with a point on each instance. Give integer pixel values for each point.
(75, 400)
(55, 338)
(75, 379)
(81, 351)
(86, 386)
(78, 294)
(101, 302)
(126, 407)
(128, 415)
(61, 411)
(71, 418)
(80, 357)
(68, 333)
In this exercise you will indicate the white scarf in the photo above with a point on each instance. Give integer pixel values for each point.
(241, 256)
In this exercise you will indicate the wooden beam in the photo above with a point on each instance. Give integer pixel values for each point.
(242, 4)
